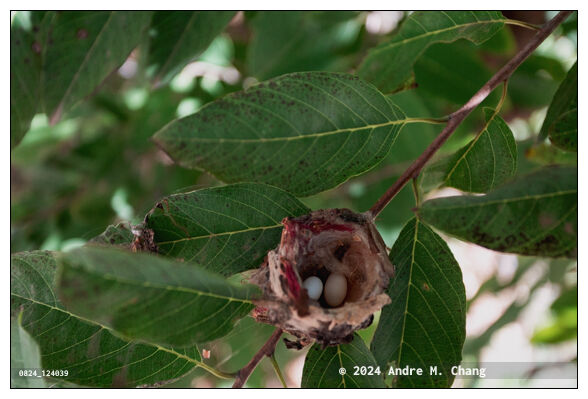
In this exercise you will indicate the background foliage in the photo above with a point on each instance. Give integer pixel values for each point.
(91, 89)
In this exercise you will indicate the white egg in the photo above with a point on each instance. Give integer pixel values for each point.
(335, 289)
(314, 287)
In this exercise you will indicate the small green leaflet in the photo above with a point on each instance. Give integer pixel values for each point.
(92, 353)
(224, 229)
(424, 326)
(181, 36)
(81, 50)
(561, 121)
(389, 65)
(146, 297)
(487, 161)
(302, 132)
(342, 366)
(24, 356)
(535, 214)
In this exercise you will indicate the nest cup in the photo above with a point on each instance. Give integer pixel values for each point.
(320, 244)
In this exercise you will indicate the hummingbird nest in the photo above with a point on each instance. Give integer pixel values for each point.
(324, 244)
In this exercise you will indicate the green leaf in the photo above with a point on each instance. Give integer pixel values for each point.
(225, 229)
(24, 356)
(532, 85)
(303, 132)
(82, 49)
(150, 298)
(487, 161)
(92, 353)
(389, 65)
(119, 234)
(322, 367)
(424, 326)
(26, 37)
(561, 121)
(181, 36)
(536, 214)
(292, 41)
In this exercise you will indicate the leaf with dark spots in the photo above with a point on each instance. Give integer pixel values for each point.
(536, 214)
(211, 226)
(424, 326)
(91, 352)
(341, 129)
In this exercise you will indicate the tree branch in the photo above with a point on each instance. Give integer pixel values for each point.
(458, 116)
(266, 350)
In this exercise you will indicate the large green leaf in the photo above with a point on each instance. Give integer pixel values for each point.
(389, 65)
(181, 36)
(82, 49)
(303, 132)
(536, 214)
(561, 121)
(92, 353)
(225, 229)
(292, 41)
(146, 297)
(487, 161)
(424, 326)
(335, 367)
(25, 356)
(25, 72)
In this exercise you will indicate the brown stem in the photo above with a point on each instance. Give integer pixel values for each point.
(266, 350)
(458, 116)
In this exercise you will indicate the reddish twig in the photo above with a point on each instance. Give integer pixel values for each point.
(266, 350)
(458, 116)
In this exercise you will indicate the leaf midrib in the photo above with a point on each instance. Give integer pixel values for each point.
(471, 145)
(404, 317)
(435, 32)
(507, 200)
(292, 138)
(220, 234)
(118, 279)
